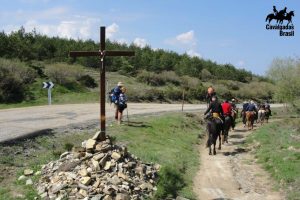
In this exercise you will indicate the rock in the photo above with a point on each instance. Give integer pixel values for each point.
(108, 190)
(116, 156)
(95, 165)
(44, 195)
(57, 187)
(28, 172)
(21, 178)
(83, 172)
(107, 197)
(103, 160)
(107, 165)
(37, 173)
(97, 197)
(68, 166)
(123, 176)
(122, 196)
(115, 180)
(84, 193)
(90, 144)
(86, 180)
(96, 136)
(98, 156)
(29, 182)
(64, 154)
(41, 189)
(99, 171)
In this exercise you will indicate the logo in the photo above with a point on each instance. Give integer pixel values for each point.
(279, 17)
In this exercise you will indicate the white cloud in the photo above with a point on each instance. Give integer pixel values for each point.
(186, 38)
(140, 42)
(122, 41)
(111, 30)
(193, 53)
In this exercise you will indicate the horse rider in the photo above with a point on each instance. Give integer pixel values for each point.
(268, 107)
(251, 108)
(234, 111)
(243, 113)
(210, 93)
(275, 10)
(215, 108)
(216, 111)
(282, 12)
(227, 110)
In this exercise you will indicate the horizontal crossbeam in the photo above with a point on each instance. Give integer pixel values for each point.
(98, 53)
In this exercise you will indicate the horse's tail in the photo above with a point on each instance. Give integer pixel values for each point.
(267, 17)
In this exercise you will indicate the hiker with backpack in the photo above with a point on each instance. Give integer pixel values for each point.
(118, 97)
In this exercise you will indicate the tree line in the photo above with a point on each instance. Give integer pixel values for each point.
(27, 46)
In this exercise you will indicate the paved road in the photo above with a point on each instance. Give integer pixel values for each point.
(19, 122)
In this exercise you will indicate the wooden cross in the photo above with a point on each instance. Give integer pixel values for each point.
(102, 53)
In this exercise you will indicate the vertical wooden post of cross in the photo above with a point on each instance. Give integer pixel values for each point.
(102, 53)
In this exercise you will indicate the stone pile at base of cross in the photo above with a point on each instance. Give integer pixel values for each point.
(97, 170)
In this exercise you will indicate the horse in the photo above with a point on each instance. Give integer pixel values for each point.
(226, 127)
(214, 129)
(261, 116)
(271, 16)
(267, 114)
(288, 17)
(250, 119)
(234, 114)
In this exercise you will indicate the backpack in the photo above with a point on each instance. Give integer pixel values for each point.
(114, 95)
(122, 100)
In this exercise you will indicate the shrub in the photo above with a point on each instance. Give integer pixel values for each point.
(161, 79)
(88, 81)
(170, 182)
(62, 73)
(14, 80)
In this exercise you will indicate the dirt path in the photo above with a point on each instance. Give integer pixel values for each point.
(233, 173)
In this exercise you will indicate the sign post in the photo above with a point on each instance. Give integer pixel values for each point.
(48, 85)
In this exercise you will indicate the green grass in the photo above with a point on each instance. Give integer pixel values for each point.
(279, 153)
(169, 140)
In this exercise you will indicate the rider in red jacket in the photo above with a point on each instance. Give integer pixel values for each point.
(227, 110)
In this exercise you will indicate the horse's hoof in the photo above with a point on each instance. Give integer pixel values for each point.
(209, 153)
(219, 148)
(215, 153)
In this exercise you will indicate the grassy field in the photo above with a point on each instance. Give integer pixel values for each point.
(169, 140)
(278, 149)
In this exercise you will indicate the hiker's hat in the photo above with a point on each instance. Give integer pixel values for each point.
(120, 84)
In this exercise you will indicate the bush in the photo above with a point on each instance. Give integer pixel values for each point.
(161, 79)
(88, 81)
(14, 80)
(170, 182)
(61, 73)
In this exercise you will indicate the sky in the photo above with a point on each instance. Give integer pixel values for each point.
(224, 31)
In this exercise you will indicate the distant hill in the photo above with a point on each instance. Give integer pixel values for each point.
(160, 75)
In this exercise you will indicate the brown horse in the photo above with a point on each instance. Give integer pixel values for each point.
(250, 119)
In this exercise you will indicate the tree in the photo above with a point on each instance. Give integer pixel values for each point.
(285, 73)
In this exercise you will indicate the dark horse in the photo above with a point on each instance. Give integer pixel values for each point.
(267, 114)
(214, 128)
(226, 127)
(288, 17)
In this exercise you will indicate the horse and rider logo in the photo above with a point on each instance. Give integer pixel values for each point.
(280, 17)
